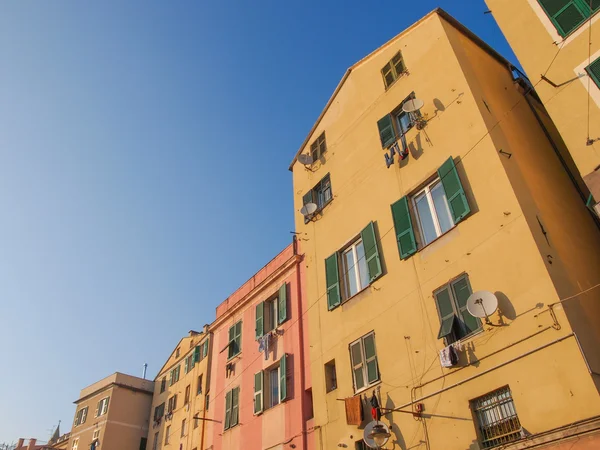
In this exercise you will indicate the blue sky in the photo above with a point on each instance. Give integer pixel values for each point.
(144, 149)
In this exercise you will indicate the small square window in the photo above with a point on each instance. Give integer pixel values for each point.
(363, 356)
(95, 435)
(330, 376)
(496, 418)
(393, 70)
(102, 407)
(318, 147)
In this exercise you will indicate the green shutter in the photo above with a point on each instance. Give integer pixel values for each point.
(593, 71)
(455, 194)
(462, 291)
(282, 304)
(238, 337)
(405, 235)
(385, 125)
(196, 357)
(186, 365)
(357, 365)
(228, 410)
(235, 410)
(371, 251)
(258, 392)
(231, 350)
(332, 277)
(566, 15)
(205, 349)
(283, 378)
(307, 198)
(447, 316)
(371, 358)
(260, 321)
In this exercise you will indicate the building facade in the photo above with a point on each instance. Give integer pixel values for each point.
(261, 380)
(112, 413)
(179, 413)
(433, 177)
(556, 43)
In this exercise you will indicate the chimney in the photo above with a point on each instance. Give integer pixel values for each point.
(31, 445)
(20, 443)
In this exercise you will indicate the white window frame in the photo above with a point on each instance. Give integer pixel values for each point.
(167, 434)
(75, 444)
(274, 401)
(434, 214)
(103, 406)
(270, 307)
(80, 420)
(96, 434)
(363, 364)
(155, 443)
(183, 427)
(354, 270)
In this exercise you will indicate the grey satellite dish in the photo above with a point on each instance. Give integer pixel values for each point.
(305, 159)
(367, 434)
(308, 209)
(412, 105)
(482, 304)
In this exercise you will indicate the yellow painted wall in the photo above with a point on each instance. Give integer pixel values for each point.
(496, 245)
(536, 43)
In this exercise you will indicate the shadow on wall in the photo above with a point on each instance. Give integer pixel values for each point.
(397, 438)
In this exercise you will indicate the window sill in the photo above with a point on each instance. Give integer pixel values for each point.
(231, 427)
(366, 388)
(233, 357)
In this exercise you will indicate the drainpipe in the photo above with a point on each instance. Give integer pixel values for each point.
(301, 339)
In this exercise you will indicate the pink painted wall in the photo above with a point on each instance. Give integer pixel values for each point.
(284, 424)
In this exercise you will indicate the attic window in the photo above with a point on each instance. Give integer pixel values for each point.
(318, 147)
(393, 70)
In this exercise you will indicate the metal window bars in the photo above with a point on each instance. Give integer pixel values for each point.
(497, 418)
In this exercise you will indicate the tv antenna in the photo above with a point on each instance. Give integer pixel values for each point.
(482, 304)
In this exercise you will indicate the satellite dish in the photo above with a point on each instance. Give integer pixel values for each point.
(305, 159)
(369, 430)
(481, 304)
(412, 105)
(308, 209)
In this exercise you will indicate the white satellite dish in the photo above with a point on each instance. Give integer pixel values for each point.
(305, 159)
(308, 209)
(412, 105)
(369, 430)
(482, 304)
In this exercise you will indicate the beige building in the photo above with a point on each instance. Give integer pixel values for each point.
(112, 414)
(178, 412)
(557, 44)
(415, 206)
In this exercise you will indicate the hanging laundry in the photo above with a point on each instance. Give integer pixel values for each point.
(353, 410)
(375, 408)
(448, 356)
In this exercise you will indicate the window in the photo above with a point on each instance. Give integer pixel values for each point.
(206, 402)
(451, 302)
(270, 386)
(360, 264)
(196, 422)
(172, 404)
(395, 125)
(309, 402)
(568, 15)
(330, 376)
(232, 407)
(167, 434)
(271, 313)
(432, 211)
(186, 398)
(497, 419)
(318, 147)
(593, 70)
(183, 427)
(177, 352)
(155, 443)
(199, 388)
(174, 375)
(235, 339)
(81, 416)
(159, 411)
(95, 434)
(102, 407)
(205, 348)
(363, 357)
(393, 70)
(320, 195)
(163, 385)
(143, 442)
(75, 444)
(189, 363)
(437, 207)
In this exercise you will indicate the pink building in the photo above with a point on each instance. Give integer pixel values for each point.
(260, 389)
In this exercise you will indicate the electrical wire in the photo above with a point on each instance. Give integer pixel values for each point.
(589, 78)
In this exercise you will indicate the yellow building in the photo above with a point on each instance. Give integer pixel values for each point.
(557, 43)
(112, 414)
(178, 414)
(475, 198)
